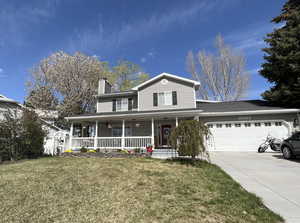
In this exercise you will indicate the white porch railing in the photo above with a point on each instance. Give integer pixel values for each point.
(79, 142)
(137, 141)
(109, 142)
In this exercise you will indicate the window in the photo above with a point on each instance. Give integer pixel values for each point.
(210, 125)
(267, 123)
(247, 124)
(219, 125)
(165, 98)
(117, 131)
(228, 125)
(120, 104)
(296, 136)
(237, 125)
(257, 124)
(278, 123)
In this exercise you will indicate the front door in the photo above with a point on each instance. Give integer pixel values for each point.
(165, 133)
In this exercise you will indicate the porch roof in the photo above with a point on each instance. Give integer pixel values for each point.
(138, 114)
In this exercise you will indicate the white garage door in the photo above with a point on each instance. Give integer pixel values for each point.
(244, 136)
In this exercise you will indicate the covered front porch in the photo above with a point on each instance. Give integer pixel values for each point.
(123, 133)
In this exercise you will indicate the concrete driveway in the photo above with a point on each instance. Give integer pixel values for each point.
(269, 176)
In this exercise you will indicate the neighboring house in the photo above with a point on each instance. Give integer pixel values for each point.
(147, 113)
(55, 136)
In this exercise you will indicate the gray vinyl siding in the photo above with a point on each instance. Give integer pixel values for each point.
(106, 104)
(185, 95)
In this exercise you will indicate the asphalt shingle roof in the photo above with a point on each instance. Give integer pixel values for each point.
(232, 106)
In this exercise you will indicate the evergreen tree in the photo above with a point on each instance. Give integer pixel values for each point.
(282, 67)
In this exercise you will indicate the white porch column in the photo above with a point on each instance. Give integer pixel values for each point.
(71, 136)
(96, 135)
(123, 134)
(176, 121)
(152, 132)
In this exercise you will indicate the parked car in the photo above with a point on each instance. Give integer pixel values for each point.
(290, 147)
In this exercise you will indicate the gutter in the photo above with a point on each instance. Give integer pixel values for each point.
(152, 114)
(261, 112)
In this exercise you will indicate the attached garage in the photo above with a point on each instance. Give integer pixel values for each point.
(244, 125)
(244, 136)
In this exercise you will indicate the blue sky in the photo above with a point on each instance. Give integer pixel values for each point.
(155, 34)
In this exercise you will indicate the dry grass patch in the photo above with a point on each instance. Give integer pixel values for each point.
(124, 190)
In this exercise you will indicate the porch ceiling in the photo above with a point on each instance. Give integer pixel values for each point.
(137, 115)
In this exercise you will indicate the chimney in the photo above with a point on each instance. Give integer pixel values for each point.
(104, 86)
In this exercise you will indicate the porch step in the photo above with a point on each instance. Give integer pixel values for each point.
(164, 153)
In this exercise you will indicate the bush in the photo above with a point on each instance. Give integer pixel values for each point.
(21, 137)
(188, 138)
(137, 150)
(33, 137)
(83, 150)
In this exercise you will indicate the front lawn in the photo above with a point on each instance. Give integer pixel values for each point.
(123, 190)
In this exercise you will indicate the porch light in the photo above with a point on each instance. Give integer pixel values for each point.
(108, 125)
(137, 125)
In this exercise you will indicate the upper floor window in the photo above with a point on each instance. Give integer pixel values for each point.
(165, 98)
(122, 104)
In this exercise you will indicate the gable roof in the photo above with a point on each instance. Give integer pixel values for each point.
(5, 99)
(195, 83)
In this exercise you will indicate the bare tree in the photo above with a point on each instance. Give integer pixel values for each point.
(222, 76)
(70, 81)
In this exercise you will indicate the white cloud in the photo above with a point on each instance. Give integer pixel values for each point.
(1, 70)
(17, 20)
(251, 37)
(151, 54)
(101, 37)
(143, 59)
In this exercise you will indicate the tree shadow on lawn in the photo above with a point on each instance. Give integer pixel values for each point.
(187, 161)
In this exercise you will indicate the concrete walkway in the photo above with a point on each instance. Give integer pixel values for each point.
(269, 176)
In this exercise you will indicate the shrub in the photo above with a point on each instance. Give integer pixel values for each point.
(137, 150)
(33, 137)
(21, 137)
(83, 150)
(188, 138)
(91, 151)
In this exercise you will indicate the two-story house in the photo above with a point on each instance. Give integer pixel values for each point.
(147, 113)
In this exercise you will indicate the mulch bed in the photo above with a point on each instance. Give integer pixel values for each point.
(105, 155)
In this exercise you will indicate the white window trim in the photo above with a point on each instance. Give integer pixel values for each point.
(165, 98)
(123, 106)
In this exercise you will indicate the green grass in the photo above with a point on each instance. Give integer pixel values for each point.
(124, 190)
